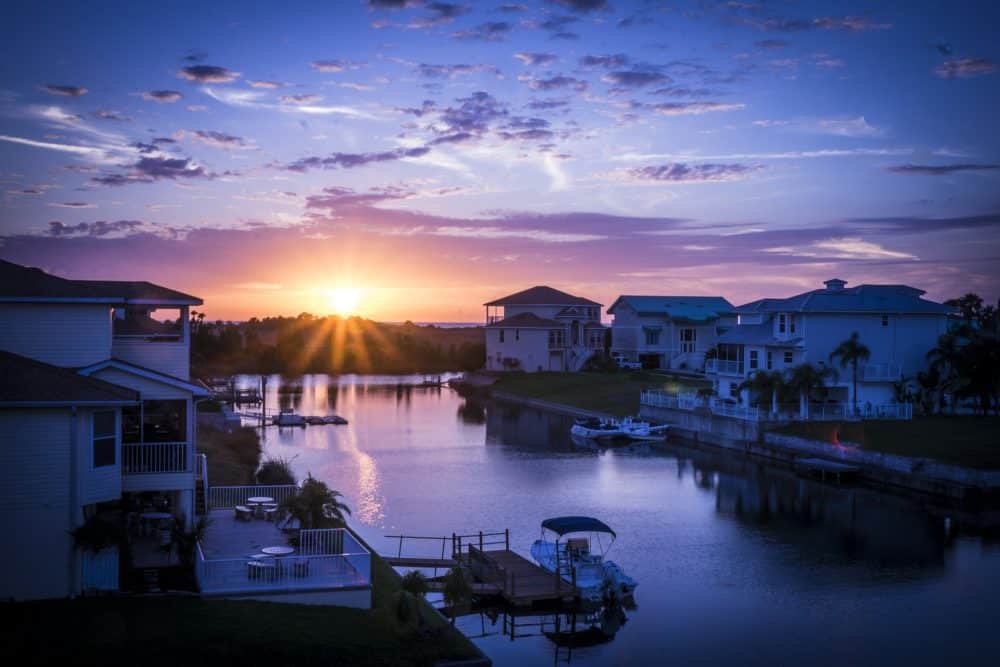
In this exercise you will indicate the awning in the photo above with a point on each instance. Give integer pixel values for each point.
(651, 328)
(576, 524)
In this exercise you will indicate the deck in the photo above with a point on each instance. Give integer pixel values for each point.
(518, 581)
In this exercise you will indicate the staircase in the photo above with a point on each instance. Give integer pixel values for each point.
(579, 356)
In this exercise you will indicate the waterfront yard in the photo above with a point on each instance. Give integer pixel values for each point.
(968, 441)
(614, 393)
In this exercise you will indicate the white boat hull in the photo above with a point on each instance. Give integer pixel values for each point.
(595, 577)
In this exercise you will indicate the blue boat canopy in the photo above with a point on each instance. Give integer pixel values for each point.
(561, 525)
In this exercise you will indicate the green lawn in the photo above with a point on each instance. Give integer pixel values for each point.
(614, 393)
(973, 442)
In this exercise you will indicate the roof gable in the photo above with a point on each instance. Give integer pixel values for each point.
(541, 295)
(861, 298)
(25, 381)
(149, 374)
(28, 284)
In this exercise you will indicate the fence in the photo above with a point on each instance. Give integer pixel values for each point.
(783, 412)
(226, 497)
(143, 457)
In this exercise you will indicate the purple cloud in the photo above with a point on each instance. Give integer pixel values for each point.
(65, 91)
(965, 68)
(207, 74)
(491, 31)
(940, 170)
(608, 61)
(161, 96)
(536, 58)
(679, 172)
(352, 160)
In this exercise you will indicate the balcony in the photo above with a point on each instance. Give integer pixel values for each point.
(723, 367)
(157, 457)
(879, 372)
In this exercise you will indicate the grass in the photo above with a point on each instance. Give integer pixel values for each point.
(614, 393)
(182, 631)
(233, 458)
(972, 442)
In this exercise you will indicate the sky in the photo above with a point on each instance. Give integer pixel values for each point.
(410, 159)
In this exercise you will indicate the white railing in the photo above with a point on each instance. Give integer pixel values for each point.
(145, 457)
(226, 497)
(723, 366)
(736, 411)
(816, 411)
(99, 571)
(880, 372)
(349, 566)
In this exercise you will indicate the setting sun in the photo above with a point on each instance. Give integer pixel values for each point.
(345, 300)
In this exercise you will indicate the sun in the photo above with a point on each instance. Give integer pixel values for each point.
(345, 300)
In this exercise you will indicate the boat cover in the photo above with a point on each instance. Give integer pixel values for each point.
(561, 525)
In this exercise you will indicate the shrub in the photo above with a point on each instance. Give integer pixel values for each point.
(416, 583)
(276, 472)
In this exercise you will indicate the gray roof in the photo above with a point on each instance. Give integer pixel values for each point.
(27, 284)
(859, 299)
(542, 295)
(25, 381)
(756, 334)
(526, 321)
(685, 308)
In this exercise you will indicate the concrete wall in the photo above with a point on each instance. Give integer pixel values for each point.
(59, 334)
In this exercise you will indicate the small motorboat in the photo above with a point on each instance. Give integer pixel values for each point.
(315, 421)
(627, 428)
(334, 419)
(289, 418)
(574, 560)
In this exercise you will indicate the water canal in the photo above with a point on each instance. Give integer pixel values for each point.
(737, 561)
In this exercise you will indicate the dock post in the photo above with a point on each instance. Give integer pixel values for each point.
(506, 539)
(480, 540)
(574, 578)
(453, 554)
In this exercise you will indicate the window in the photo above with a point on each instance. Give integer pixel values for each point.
(781, 323)
(557, 338)
(753, 359)
(770, 363)
(652, 336)
(788, 356)
(104, 438)
(501, 335)
(885, 320)
(734, 390)
(688, 339)
(791, 323)
(517, 334)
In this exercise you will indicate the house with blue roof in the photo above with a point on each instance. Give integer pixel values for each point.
(670, 332)
(894, 322)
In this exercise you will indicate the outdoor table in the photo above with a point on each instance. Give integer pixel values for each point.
(257, 504)
(278, 551)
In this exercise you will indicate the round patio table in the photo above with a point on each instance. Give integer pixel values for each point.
(278, 551)
(260, 499)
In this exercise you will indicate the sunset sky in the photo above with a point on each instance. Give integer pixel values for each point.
(436, 155)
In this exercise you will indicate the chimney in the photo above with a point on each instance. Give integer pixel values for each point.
(834, 284)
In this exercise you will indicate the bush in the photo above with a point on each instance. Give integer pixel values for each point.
(276, 472)
(415, 582)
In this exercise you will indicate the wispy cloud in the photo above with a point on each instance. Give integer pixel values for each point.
(65, 91)
(965, 68)
(680, 172)
(251, 99)
(208, 74)
(941, 169)
(161, 96)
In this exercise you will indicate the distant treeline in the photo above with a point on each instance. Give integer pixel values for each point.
(309, 344)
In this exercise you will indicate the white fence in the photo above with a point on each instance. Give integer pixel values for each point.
(784, 412)
(226, 497)
(302, 571)
(727, 366)
(142, 457)
(99, 571)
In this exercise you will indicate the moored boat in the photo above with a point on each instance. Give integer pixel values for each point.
(574, 560)
(627, 428)
(289, 418)
(334, 419)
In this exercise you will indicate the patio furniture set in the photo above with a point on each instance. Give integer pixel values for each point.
(257, 507)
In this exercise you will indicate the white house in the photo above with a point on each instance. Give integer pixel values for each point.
(672, 332)
(542, 329)
(892, 321)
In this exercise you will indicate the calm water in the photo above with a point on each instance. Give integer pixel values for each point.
(737, 562)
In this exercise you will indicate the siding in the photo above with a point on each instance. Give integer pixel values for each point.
(530, 346)
(149, 389)
(170, 358)
(34, 504)
(98, 485)
(58, 334)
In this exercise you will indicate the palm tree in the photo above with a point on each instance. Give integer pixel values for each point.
(764, 383)
(806, 379)
(317, 506)
(852, 351)
(944, 361)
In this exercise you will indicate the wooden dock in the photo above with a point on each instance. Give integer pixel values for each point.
(838, 472)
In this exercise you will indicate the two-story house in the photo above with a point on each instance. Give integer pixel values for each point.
(96, 410)
(896, 325)
(672, 332)
(542, 329)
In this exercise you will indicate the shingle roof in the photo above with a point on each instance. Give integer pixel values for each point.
(756, 334)
(526, 321)
(542, 295)
(23, 283)
(689, 308)
(28, 381)
(862, 298)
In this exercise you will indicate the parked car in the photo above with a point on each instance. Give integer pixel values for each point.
(626, 364)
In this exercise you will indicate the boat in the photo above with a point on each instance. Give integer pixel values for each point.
(315, 421)
(575, 561)
(334, 419)
(289, 418)
(627, 428)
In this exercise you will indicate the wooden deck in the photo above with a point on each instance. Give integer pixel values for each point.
(518, 581)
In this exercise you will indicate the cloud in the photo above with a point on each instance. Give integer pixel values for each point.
(536, 58)
(301, 99)
(771, 44)
(105, 114)
(335, 65)
(439, 13)
(940, 170)
(64, 148)
(569, 36)
(161, 96)
(558, 82)
(848, 127)
(216, 139)
(857, 248)
(784, 155)
(207, 74)
(520, 128)
(66, 91)
(251, 99)
(845, 23)
(634, 78)
(473, 114)
(97, 229)
(263, 83)
(491, 31)
(693, 108)
(680, 172)
(582, 6)
(352, 160)
(608, 61)
(26, 192)
(492, 233)
(965, 68)
(151, 168)
(452, 71)
(72, 204)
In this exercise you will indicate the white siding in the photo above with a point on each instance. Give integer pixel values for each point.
(35, 503)
(98, 485)
(58, 334)
(148, 388)
(530, 346)
(169, 358)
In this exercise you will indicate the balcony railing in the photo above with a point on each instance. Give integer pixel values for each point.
(156, 457)
(783, 412)
(316, 567)
(227, 497)
(879, 372)
(723, 366)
